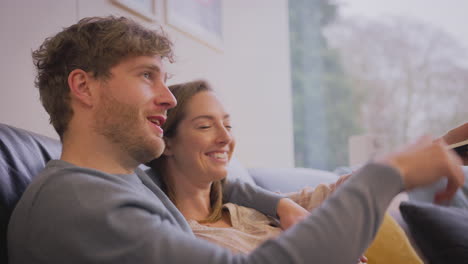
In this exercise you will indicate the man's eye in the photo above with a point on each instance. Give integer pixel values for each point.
(147, 75)
(204, 127)
(228, 127)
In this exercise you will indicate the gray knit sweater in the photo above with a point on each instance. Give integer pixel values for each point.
(77, 215)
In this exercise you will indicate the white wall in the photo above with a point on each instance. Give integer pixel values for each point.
(252, 72)
(23, 27)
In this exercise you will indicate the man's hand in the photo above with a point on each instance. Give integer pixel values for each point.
(426, 162)
(290, 213)
(456, 135)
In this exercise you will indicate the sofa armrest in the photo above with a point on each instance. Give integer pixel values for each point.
(290, 179)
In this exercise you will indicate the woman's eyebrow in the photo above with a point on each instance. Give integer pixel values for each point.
(210, 117)
(202, 117)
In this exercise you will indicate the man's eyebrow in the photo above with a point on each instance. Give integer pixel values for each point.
(210, 117)
(151, 67)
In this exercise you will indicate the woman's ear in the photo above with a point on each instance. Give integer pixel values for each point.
(80, 83)
(168, 147)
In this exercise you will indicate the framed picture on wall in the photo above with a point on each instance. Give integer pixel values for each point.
(200, 19)
(142, 8)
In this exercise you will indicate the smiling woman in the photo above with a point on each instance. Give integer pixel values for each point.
(199, 145)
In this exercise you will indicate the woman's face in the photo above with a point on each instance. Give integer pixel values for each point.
(203, 144)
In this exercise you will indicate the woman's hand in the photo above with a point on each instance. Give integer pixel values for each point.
(340, 181)
(290, 213)
(362, 259)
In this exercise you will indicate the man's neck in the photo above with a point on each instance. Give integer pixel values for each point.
(96, 154)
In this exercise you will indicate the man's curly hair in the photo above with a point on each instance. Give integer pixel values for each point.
(94, 45)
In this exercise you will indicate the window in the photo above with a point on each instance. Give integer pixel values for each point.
(376, 73)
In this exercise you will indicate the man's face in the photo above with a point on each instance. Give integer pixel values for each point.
(132, 107)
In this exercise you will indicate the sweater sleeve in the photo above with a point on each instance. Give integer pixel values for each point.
(242, 193)
(346, 223)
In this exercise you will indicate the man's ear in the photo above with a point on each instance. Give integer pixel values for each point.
(168, 147)
(80, 83)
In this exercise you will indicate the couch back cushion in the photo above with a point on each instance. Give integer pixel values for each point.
(22, 155)
(290, 179)
(237, 171)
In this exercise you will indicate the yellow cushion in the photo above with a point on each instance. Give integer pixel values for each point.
(391, 245)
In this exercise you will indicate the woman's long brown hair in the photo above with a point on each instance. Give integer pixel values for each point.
(183, 93)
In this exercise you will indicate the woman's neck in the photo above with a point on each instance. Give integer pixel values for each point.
(191, 198)
(193, 203)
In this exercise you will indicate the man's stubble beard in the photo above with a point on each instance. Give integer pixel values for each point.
(123, 125)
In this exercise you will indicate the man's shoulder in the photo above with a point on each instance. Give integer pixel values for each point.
(80, 192)
(61, 183)
(65, 175)
(71, 204)
(61, 177)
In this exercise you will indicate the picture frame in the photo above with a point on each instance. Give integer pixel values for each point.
(145, 9)
(201, 20)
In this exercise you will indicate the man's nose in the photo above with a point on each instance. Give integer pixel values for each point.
(165, 98)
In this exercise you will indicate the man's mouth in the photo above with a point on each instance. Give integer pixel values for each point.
(157, 120)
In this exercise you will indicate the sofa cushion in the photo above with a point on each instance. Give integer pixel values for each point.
(22, 155)
(237, 171)
(391, 245)
(440, 232)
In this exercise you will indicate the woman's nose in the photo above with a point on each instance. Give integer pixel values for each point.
(224, 136)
